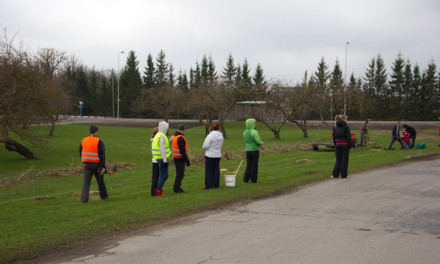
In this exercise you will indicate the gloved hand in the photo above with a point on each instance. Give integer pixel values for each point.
(188, 163)
(165, 164)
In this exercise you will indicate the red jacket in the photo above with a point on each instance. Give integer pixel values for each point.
(406, 137)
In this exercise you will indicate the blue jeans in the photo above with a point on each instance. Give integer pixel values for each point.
(407, 145)
(163, 174)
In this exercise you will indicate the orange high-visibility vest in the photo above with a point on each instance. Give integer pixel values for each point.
(89, 151)
(176, 150)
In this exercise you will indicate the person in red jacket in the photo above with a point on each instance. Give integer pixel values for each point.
(92, 152)
(406, 138)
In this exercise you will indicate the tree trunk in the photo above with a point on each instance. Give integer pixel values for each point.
(52, 126)
(304, 128)
(301, 125)
(13, 145)
(222, 128)
(275, 132)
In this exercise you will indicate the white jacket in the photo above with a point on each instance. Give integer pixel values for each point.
(213, 144)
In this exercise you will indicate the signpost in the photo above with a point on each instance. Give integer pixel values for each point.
(81, 106)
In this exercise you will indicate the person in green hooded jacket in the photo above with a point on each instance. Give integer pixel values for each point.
(253, 143)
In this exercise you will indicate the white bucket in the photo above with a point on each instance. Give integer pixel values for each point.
(230, 180)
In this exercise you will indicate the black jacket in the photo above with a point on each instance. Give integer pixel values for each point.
(410, 130)
(341, 133)
(395, 133)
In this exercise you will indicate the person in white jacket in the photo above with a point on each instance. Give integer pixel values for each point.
(213, 152)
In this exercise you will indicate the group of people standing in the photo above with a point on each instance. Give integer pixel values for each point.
(212, 145)
(92, 152)
(161, 152)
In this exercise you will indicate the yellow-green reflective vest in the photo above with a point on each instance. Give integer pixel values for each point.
(155, 149)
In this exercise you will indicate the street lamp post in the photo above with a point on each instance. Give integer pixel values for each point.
(119, 75)
(345, 80)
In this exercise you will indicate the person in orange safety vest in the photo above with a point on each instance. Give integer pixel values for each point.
(92, 152)
(180, 155)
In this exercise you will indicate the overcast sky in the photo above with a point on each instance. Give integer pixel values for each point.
(285, 37)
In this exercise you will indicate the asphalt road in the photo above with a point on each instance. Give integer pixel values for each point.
(389, 215)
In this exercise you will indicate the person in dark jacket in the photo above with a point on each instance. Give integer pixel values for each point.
(180, 155)
(342, 140)
(92, 152)
(396, 135)
(412, 132)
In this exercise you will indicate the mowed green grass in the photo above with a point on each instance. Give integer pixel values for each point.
(30, 227)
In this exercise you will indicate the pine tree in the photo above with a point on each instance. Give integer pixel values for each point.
(319, 81)
(259, 90)
(407, 106)
(416, 96)
(369, 79)
(337, 88)
(396, 85)
(322, 75)
(195, 77)
(148, 77)
(259, 76)
(212, 72)
(82, 89)
(383, 106)
(204, 71)
(182, 81)
(161, 73)
(230, 71)
(93, 92)
(245, 74)
(429, 90)
(130, 85)
(354, 102)
(380, 81)
(238, 79)
(171, 78)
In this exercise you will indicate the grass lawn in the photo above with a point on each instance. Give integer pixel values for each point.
(31, 226)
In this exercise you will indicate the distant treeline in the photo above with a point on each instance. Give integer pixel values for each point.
(407, 92)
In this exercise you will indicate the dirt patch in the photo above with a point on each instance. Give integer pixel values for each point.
(30, 175)
(45, 198)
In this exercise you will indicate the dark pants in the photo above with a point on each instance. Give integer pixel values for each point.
(394, 140)
(180, 173)
(155, 178)
(413, 140)
(252, 166)
(364, 141)
(341, 165)
(212, 172)
(91, 169)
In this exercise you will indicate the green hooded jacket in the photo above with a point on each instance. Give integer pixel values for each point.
(251, 136)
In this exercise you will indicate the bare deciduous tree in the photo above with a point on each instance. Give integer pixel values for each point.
(50, 62)
(25, 95)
